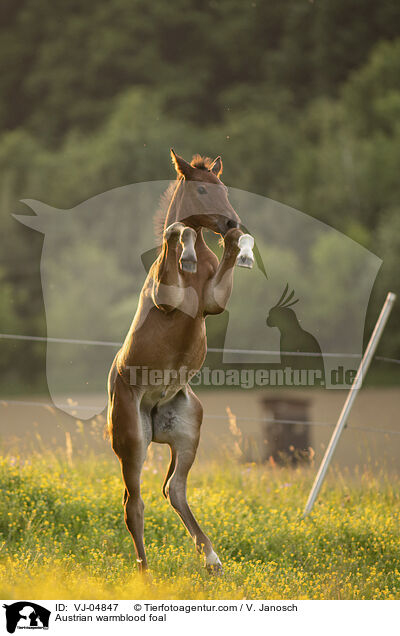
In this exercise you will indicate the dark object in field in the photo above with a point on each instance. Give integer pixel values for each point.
(287, 439)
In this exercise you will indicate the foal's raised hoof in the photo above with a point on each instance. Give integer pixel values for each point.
(245, 257)
(189, 266)
(215, 569)
(245, 261)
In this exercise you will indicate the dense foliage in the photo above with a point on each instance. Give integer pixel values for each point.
(302, 99)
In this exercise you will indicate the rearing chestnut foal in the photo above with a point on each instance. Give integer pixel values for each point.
(168, 337)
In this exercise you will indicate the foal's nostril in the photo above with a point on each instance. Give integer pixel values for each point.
(231, 223)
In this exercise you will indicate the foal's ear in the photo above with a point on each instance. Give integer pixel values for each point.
(216, 166)
(182, 167)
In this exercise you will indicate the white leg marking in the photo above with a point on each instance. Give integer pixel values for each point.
(245, 257)
(212, 559)
(188, 258)
(174, 229)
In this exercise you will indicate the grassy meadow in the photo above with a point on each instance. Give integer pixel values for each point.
(62, 533)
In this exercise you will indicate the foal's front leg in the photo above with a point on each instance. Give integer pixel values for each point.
(168, 291)
(237, 250)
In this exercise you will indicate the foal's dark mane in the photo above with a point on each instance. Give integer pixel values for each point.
(202, 163)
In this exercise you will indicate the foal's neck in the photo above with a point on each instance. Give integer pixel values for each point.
(174, 206)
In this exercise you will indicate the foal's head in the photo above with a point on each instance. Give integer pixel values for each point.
(201, 199)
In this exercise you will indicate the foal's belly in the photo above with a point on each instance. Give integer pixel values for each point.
(155, 397)
(173, 419)
(158, 360)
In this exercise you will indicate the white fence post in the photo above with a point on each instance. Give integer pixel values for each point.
(355, 387)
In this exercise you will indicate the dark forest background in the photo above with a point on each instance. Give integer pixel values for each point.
(301, 99)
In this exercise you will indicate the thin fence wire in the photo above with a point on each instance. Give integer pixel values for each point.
(105, 343)
(9, 336)
(97, 343)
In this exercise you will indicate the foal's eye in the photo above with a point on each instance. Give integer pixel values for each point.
(201, 190)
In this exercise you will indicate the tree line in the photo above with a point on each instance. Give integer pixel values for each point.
(302, 100)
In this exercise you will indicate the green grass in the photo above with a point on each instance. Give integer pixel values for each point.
(62, 534)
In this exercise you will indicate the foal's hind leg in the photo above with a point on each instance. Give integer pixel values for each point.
(130, 436)
(178, 424)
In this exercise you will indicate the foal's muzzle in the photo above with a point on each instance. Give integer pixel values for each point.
(228, 224)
